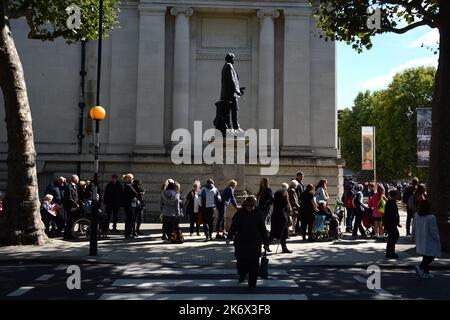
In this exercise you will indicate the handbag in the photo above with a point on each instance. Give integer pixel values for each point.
(264, 266)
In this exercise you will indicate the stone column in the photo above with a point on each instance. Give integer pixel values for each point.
(180, 110)
(266, 89)
(150, 85)
(296, 96)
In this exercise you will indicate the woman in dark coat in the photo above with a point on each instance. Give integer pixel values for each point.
(265, 198)
(248, 232)
(307, 212)
(279, 226)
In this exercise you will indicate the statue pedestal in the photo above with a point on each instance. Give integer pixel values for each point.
(233, 167)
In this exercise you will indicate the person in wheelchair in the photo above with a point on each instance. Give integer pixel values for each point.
(326, 221)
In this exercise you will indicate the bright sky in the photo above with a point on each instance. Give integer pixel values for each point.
(374, 69)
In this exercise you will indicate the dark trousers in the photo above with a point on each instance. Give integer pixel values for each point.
(349, 220)
(111, 212)
(234, 108)
(248, 266)
(208, 214)
(425, 265)
(264, 212)
(139, 217)
(393, 236)
(70, 214)
(193, 220)
(220, 226)
(409, 218)
(307, 225)
(130, 221)
(169, 226)
(282, 240)
(49, 221)
(358, 226)
(297, 227)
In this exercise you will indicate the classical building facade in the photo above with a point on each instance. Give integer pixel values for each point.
(161, 71)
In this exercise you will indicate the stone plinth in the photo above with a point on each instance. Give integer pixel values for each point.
(233, 167)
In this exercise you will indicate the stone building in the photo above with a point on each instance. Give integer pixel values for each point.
(161, 71)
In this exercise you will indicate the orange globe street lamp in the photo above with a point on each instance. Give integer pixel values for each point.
(97, 113)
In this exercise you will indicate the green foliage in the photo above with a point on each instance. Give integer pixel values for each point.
(47, 18)
(346, 20)
(386, 110)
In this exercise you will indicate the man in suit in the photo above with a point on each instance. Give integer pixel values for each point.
(299, 191)
(71, 205)
(231, 92)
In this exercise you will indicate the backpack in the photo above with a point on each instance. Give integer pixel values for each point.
(382, 205)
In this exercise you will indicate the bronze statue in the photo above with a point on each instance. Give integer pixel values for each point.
(229, 95)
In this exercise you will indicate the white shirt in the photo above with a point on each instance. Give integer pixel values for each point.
(196, 202)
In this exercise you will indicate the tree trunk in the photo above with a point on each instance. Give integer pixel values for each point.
(22, 224)
(439, 175)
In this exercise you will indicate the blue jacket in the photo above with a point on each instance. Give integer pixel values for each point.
(228, 196)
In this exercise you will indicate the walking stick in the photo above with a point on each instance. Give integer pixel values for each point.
(281, 236)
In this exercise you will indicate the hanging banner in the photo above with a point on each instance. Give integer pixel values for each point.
(368, 147)
(423, 136)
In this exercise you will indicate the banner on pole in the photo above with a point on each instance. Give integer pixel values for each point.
(368, 147)
(423, 136)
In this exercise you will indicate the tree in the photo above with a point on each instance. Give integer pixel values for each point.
(347, 20)
(386, 110)
(47, 21)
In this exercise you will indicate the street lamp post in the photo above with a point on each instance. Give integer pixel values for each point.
(97, 113)
(410, 114)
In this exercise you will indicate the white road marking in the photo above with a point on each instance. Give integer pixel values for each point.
(45, 277)
(230, 271)
(380, 291)
(170, 283)
(20, 291)
(61, 267)
(191, 296)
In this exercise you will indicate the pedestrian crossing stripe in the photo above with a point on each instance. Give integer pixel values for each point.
(145, 271)
(201, 296)
(196, 283)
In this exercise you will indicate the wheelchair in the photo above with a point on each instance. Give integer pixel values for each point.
(81, 229)
(321, 229)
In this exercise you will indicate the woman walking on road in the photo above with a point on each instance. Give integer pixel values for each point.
(428, 243)
(248, 232)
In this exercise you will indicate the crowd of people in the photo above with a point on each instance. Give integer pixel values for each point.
(65, 201)
(382, 214)
(291, 210)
